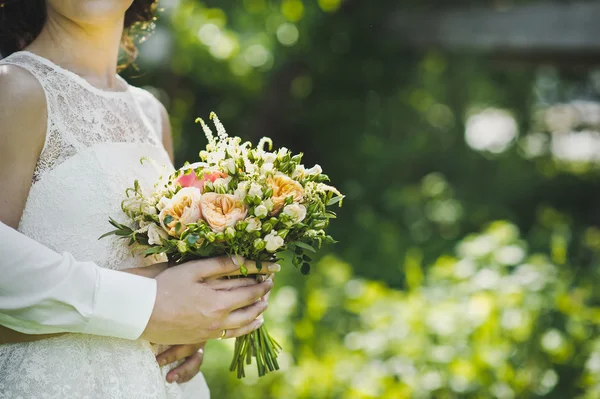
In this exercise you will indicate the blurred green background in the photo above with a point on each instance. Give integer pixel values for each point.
(469, 241)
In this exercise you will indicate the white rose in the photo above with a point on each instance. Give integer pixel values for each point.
(267, 167)
(296, 212)
(261, 211)
(155, 234)
(274, 242)
(269, 157)
(255, 190)
(315, 170)
(229, 165)
(253, 224)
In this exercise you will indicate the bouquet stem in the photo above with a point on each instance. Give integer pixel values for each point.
(260, 345)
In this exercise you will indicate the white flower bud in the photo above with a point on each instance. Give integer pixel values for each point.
(261, 211)
(149, 210)
(253, 224)
(181, 246)
(255, 190)
(296, 212)
(155, 234)
(274, 242)
(214, 157)
(315, 170)
(269, 157)
(299, 172)
(230, 233)
(222, 183)
(162, 203)
(268, 203)
(282, 152)
(241, 190)
(267, 168)
(229, 165)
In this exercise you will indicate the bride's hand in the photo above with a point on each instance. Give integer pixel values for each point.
(193, 355)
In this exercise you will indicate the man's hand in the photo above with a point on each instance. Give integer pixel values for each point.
(194, 304)
(193, 355)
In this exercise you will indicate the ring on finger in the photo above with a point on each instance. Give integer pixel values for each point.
(223, 333)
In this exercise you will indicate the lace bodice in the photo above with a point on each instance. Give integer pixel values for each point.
(95, 140)
(81, 115)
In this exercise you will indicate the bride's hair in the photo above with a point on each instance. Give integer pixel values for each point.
(22, 21)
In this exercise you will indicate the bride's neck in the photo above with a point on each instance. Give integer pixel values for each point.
(90, 51)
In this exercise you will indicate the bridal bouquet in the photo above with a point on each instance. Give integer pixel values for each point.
(238, 201)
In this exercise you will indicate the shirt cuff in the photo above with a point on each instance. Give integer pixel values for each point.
(123, 304)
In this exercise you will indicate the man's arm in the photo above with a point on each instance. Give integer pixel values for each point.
(43, 292)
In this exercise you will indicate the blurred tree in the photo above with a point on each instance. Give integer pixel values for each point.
(429, 145)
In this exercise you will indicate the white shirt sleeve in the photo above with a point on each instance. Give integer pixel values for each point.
(43, 292)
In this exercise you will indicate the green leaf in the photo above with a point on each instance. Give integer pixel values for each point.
(244, 270)
(305, 269)
(304, 245)
(110, 233)
(192, 239)
(168, 219)
(335, 200)
(259, 265)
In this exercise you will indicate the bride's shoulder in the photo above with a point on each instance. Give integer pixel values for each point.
(19, 89)
(22, 104)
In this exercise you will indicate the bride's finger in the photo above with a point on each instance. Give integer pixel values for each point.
(188, 369)
(229, 284)
(251, 266)
(176, 352)
(247, 329)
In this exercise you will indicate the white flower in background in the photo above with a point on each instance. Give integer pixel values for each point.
(269, 157)
(149, 210)
(222, 182)
(261, 211)
(296, 212)
(155, 234)
(255, 190)
(491, 130)
(274, 242)
(253, 224)
(582, 146)
(299, 172)
(267, 168)
(315, 170)
(229, 165)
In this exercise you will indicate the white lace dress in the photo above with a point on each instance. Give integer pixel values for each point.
(94, 143)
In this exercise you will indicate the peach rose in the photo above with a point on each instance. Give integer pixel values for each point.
(191, 180)
(222, 210)
(283, 186)
(183, 208)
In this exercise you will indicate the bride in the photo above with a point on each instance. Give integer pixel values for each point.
(73, 134)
